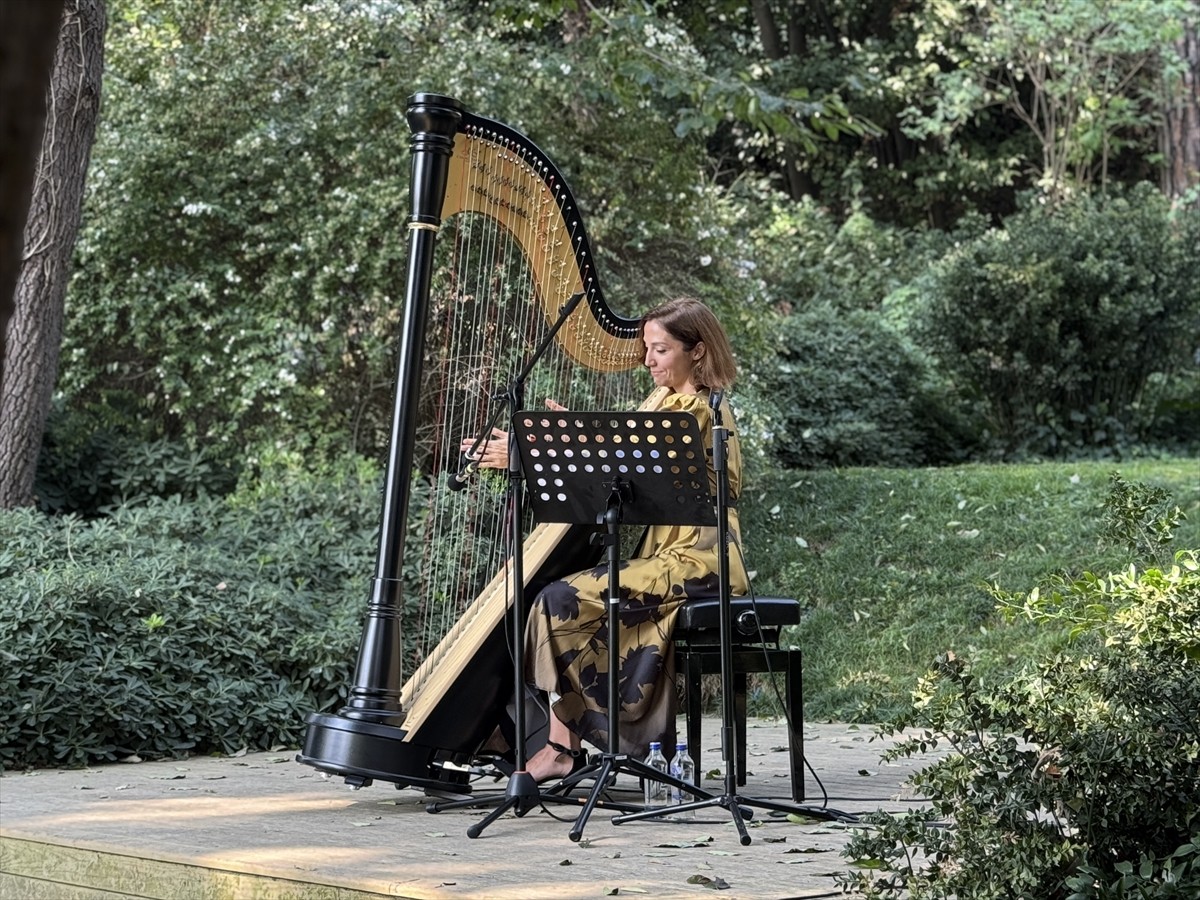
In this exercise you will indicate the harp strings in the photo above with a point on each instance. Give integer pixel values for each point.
(487, 317)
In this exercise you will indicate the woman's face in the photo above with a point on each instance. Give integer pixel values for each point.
(669, 363)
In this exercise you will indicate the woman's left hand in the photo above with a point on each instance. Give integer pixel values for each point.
(492, 452)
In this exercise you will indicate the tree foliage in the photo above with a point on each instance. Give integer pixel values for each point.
(240, 269)
(1085, 79)
(257, 266)
(240, 272)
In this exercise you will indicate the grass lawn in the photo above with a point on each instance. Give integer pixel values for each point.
(894, 565)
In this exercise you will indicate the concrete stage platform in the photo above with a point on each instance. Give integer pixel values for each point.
(264, 826)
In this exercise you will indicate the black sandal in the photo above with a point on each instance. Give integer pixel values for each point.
(578, 757)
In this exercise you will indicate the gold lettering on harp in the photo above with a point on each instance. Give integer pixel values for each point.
(499, 177)
(495, 181)
(495, 201)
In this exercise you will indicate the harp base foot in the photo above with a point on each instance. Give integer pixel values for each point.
(361, 752)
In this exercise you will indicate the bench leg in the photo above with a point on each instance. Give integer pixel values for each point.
(692, 673)
(792, 663)
(794, 698)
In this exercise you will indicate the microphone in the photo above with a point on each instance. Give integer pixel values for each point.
(714, 401)
(459, 479)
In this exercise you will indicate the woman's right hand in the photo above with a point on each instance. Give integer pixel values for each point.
(492, 451)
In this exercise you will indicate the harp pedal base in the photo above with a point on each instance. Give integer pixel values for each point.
(362, 752)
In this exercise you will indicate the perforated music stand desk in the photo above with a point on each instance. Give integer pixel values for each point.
(613, 468)
(572, 460)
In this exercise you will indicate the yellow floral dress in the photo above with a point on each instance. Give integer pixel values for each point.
(567, 629)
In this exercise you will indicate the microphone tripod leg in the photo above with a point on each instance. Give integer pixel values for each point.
(477, 829)
(521, 796)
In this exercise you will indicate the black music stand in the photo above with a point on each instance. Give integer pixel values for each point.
(613, 468)
(730, 799)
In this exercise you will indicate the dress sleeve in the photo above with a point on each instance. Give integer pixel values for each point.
(695, 404)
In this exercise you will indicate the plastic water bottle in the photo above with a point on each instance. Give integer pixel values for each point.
(684, 769)
(657, 792)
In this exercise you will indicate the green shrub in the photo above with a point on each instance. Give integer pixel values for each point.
(1176, 424)
(182, 626)
(1080, 777)
(812, 258)
(1071, 322)
(853, 391)
(89, 467)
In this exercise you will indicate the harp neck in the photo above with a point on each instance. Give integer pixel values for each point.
(497, 172)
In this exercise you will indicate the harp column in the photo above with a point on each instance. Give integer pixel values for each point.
(362, 741)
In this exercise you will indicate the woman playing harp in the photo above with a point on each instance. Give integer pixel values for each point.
(686, 351)
(496, 246)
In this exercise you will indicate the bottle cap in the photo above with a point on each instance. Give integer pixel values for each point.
(655, 745)
(682, 745)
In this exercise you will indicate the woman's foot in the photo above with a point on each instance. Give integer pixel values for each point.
(552, 761)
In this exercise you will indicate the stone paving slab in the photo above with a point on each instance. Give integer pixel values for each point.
(264, 826)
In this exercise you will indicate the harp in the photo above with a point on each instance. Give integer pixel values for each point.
(517, 252)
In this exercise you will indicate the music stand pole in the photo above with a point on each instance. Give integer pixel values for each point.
(613, 761)
(731, 800)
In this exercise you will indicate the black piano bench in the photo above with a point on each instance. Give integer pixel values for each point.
(755, 638)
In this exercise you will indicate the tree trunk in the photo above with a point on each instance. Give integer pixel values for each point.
(34, 334)
(1181, 125)
(28, 32)
(768, 31)
(799, 182)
